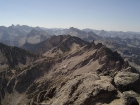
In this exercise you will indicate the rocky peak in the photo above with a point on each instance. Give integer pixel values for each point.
(67, 43)
(36, 36)
(73, 29)
(33, 33)
(91, 33)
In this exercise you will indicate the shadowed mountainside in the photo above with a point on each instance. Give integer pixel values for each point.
(12, 57)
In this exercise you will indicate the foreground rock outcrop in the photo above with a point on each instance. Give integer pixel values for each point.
(84, 89)
(129, 98)
(126, 81)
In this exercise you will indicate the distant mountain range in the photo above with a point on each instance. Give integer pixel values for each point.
(17, 35)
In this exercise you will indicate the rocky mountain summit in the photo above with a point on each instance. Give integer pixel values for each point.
(72, 72)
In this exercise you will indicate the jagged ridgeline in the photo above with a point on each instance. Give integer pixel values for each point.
(70, 72)
(14, 57)
(63, 42)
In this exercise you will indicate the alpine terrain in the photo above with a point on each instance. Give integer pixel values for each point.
(66, 70)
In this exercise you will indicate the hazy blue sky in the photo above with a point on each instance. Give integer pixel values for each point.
(120, 15)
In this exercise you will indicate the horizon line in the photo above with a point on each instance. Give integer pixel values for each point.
(68, 28)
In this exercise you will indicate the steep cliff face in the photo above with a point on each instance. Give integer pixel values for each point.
(73, 72)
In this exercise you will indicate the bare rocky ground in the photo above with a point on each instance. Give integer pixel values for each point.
(87, 74)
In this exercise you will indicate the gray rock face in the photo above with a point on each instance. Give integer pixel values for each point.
(82, 89)
(130, 101)
(129, 98)
(129, 93)
(125, 78)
